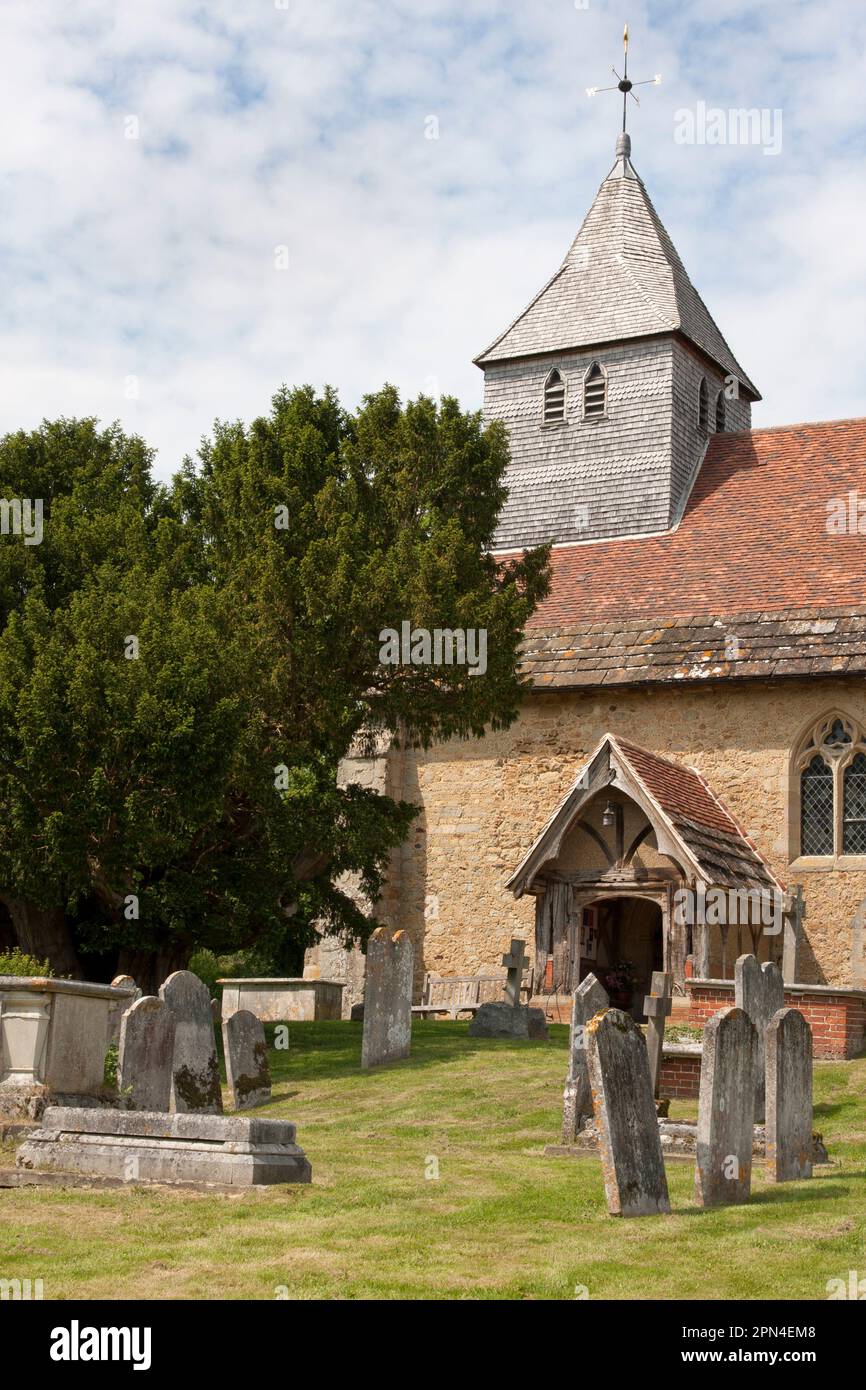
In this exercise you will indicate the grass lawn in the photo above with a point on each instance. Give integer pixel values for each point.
(500, 1221)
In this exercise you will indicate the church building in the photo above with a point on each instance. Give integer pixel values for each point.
(695, 730)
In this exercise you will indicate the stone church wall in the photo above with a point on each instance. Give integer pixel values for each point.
(485, 801)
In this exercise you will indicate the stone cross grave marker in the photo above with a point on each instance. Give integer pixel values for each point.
(195, 1083)
(635, 1183)
(760, 992)
(387, 998)
(726, 1110)
(657, 1006)
(788, 1045)
(144, 1064)
(515, 962)
(247, 1071)
(590, 998)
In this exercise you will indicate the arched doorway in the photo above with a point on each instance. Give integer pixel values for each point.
(622, 943)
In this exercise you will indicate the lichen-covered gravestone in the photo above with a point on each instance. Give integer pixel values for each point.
(726, 1110)
(195, 1071)
(590, 998)
(247, 1071)
(387, 998)
(760, 992)
(635, 1183)
(788, 1046)
(144, 1065)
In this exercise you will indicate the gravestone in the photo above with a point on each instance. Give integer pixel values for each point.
(635, 1183)
(144, 1064)
(496, 1019)
(515, 962)
(195, 1083)
(247, 1071)
(142, 1146)
(788, 1046)
(726, 1110)
(387, 998)
(116, 1011)
(760, 992)
(657, 1006)
(590, 998)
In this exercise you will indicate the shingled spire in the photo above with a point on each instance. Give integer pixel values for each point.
(622, 278)
(622, 301)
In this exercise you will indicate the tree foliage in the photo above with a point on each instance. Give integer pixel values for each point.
(182, 668)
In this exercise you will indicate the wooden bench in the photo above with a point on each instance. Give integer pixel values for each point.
(455, 994)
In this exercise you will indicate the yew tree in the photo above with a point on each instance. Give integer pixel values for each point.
(182, 668)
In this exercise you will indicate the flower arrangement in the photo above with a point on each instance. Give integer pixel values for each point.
(619, 978)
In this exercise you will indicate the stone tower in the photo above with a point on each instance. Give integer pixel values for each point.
(611, 382)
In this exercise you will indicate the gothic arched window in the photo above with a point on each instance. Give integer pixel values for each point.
(703, 406)
(830, 769)
(720, 413)
(554, 399)
(594, 393)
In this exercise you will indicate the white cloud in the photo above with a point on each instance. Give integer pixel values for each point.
(305, 127)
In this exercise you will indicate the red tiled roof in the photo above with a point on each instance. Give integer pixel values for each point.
(753, 537)
(677, 789)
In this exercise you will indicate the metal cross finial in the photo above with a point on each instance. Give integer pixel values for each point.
(624, 83)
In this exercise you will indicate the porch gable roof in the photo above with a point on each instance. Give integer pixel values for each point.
(691, 823)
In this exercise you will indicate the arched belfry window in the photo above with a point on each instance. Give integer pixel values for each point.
(703, 406)
(554, 399)
(594, 393)
(720, 413)
(830, 769)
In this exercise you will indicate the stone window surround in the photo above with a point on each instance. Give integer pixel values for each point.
(805, 747)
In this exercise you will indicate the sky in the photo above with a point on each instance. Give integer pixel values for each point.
(201, 201)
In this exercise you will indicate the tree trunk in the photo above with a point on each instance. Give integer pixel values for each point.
(44, 932)
(150, 969)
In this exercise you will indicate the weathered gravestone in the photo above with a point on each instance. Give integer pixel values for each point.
(116, 1011)
(635, 1183)
(760, 992)
(726, 1110)
(496, 1019)
(788, 1046)
(590, 998)
(144, 1064)
(387, 998)
(247, 1071)
(657, 1006)
(141, 1146)
(195, 1081)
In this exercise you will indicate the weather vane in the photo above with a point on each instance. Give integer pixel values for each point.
(624, 83)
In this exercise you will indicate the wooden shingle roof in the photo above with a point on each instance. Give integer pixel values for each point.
(621, 279)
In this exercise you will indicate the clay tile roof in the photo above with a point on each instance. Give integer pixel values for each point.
(753, 537)
(677, 789)
(751, 582)
(719, 847)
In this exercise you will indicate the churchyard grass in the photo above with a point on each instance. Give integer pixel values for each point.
(500, 1221)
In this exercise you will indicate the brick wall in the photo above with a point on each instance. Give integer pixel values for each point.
(680, 1076)
(837, 1018)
